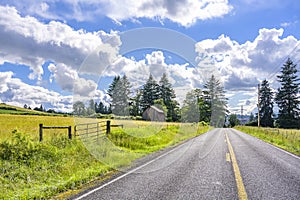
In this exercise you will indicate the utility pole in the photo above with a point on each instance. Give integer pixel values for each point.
(242, 109)
(258, 106)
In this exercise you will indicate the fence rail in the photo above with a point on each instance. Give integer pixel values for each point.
(87, 130)
(54, 127)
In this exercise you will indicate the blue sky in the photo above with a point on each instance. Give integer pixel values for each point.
(52, 52)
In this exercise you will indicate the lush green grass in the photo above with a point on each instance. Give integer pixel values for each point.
(33, 170)
(288, 139)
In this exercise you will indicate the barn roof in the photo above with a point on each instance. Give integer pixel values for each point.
(157, 109)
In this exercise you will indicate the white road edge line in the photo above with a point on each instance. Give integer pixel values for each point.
(282, 150)
(130, 172)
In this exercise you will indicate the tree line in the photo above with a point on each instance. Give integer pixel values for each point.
(208, 104)
(286, 97)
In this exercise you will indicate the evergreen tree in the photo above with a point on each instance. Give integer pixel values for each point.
(204, 106)
(101, 108)
(119, 91)
(135, 104)
(266, 105)
(150, 92)
(96, 108)
(167, 94)
(79, 108)
(251, 117)
(233, 120)
(287, 97)
(91, 107)
(196, 108)
(215, 97)
(190, 110)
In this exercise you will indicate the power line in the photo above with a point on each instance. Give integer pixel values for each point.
(278, 67)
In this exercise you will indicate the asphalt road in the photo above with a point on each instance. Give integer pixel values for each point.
(220, 164)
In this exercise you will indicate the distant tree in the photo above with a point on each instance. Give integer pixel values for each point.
(135, 104)
(215, 97)
(41, 108)
(100, 108)
(79, 108)
(167, 94)
(233, 120)
(204, 105)
(96, 108)
(287, 97)
(51, 111)
(119, 91)
(266, 105)
(150, 92)
(25, 106)
(251, 117)
(91, 107)
(190, 110)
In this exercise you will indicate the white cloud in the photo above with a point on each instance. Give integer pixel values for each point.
(243, 66)
(16, 92)
(25, 40)
(69, 80)
(183, 12)
(182, 76)
(287, 24)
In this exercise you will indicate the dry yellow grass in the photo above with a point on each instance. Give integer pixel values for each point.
(29, 124)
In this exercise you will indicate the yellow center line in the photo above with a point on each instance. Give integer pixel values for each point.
(238, 178)
(227, 157)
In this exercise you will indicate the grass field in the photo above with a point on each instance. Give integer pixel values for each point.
(287, 139)
(9, 109)
(33, 170)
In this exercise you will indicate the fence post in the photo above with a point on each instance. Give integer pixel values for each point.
(97, 130)
(70, 132)
(107, 127)
(41, 132)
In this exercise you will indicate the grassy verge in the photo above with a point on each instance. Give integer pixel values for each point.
(33, 170)
(287, 139)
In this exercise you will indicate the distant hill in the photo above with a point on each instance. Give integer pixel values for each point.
(14, 110)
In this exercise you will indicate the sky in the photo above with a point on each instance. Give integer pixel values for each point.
(55, 52)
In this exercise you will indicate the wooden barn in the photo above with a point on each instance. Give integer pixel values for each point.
(154, 114)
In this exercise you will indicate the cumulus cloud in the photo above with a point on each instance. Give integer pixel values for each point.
(69, 80)
(244, 65)
(183, 77)
(16, 92)
(183, 12)
(27, 41)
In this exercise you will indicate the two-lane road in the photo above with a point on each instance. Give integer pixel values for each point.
(220, 164)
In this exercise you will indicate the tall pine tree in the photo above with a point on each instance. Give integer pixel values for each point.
(190, 110)
(266, 105)
(287, 97)
(150, 93)
(215, 97)
(119, 91)
(167, 94)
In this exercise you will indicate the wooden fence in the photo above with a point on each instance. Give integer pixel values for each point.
(90, 130)
(95, 129)
(54, 127)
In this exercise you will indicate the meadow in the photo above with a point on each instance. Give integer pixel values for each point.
(287, 139)
(30, 169)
